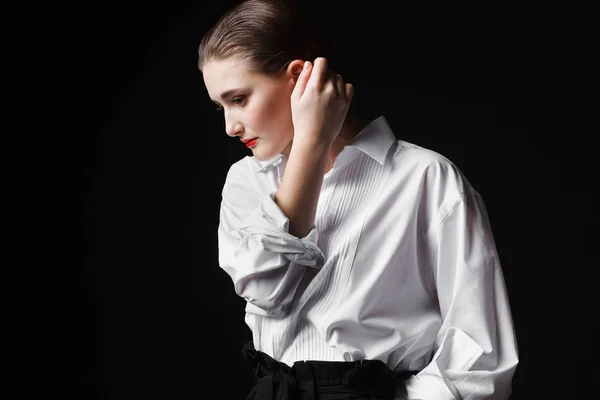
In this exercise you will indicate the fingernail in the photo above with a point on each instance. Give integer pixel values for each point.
(306, 65)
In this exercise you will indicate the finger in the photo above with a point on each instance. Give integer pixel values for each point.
(349, 91)
(330, 83)
(340, 89)
(330, 79)
(320, 71)
(302, 80)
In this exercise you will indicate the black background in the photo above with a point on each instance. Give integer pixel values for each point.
(506, 91)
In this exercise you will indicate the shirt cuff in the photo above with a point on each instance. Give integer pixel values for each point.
(303, 251)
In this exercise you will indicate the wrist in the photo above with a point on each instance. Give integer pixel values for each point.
(310, 145)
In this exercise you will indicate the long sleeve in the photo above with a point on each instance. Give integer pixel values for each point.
(264, 261)
(476, 351)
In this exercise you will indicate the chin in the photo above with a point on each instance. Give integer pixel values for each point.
(260, 156)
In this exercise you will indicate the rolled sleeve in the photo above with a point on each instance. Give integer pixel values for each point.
(265, 261)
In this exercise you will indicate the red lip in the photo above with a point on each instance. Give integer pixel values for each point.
(247, 140)
(251, 142)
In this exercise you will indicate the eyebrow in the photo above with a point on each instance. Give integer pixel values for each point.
(228, 93)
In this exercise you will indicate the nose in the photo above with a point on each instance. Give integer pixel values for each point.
(232, 125)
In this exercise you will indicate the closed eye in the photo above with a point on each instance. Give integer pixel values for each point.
(237, 100)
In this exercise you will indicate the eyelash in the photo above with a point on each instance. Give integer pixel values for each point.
(238, 100)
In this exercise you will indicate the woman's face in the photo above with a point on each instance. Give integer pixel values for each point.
(255, 105)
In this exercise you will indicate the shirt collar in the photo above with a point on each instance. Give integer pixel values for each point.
(263, 165)
(374, 140)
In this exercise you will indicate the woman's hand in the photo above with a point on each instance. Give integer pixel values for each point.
(320, 102)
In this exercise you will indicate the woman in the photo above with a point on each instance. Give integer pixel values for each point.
(368, 263)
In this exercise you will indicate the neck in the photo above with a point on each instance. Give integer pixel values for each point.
(351, 127)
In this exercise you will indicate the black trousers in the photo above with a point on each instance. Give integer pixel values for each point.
(320, 380)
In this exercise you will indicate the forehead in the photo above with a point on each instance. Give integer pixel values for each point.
(222, 75)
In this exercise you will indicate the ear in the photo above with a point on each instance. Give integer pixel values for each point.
(294, 69)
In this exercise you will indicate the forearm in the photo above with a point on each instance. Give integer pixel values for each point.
(298, 194)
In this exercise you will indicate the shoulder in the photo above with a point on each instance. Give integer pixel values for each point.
(241, 170)
(430, 167)
(438, 185)
(435, 184)
(240, 179)
(249, 179)
(240, 188)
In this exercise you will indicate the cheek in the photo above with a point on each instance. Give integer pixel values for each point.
(273, 114)
(280, 107)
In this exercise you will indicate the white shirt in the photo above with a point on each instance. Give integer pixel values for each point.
(401, 266)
